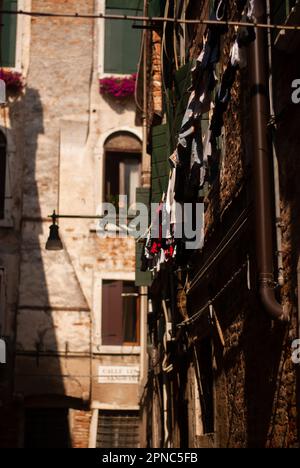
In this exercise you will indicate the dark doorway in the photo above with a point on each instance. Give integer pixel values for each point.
(47, 428)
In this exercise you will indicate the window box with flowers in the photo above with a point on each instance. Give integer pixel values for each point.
(14, 82)
(119, 88)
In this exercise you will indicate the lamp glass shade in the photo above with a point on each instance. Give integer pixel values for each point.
(54, 242)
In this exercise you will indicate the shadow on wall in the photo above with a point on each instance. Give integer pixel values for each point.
(36, 399)
(253, 368)
(287, 144)
(270, 393)
(264, 350)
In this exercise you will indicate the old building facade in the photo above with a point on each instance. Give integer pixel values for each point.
(225, 318)
(73, 320)
(222, 318)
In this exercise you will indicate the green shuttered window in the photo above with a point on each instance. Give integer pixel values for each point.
(160, 164)
(142, 278)
(122, 42)
(8, 33)
(182, 81)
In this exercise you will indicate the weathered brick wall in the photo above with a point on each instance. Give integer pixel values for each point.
(260, 378)
(156, 85)
(80, 428)
(287, 140)
(57, 129)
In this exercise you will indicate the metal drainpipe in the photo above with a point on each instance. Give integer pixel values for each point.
(275, 161)
(262, 176)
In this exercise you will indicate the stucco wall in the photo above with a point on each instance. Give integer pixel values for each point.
(58, 130)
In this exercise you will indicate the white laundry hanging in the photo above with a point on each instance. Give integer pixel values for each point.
(238, 56)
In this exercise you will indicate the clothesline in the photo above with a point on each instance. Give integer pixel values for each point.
(198, 314)
(151, 20)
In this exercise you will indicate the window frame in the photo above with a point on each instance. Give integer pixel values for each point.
(99, 155)
(121, 165)
(138, 308)
(15, 26)
(120, 413)
(96, 409)
(98, 347)
(23, 33)
(101, 6)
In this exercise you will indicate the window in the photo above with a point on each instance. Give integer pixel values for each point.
(47, 428)
(2, 174)
(8, 33)
(122, 168)
(120, 313)
(122, 176)
(118, 429)
(122, 42)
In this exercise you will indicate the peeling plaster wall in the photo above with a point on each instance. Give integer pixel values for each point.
(57, 131)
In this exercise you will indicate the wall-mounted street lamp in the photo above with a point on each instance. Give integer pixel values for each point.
(54, 242)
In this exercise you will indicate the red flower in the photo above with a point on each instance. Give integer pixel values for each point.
(120, 88)
(13, 80)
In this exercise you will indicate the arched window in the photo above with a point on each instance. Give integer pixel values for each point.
(122, 167)
(2, 173)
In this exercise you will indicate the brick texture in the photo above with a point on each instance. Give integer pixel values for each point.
(80, 428)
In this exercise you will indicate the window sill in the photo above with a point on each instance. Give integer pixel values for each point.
(123, 350)
(115, 75)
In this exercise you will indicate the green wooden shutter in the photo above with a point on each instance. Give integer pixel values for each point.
(160, 163)
(125, 4)
(122, 42)
(142, 278)
(8, 34)
(182, 81)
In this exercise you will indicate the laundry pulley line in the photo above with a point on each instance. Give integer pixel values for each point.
(152, 20)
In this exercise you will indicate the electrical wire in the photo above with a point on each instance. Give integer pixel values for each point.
(151, 20)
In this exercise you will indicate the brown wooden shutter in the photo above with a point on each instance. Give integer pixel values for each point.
(112, 312)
